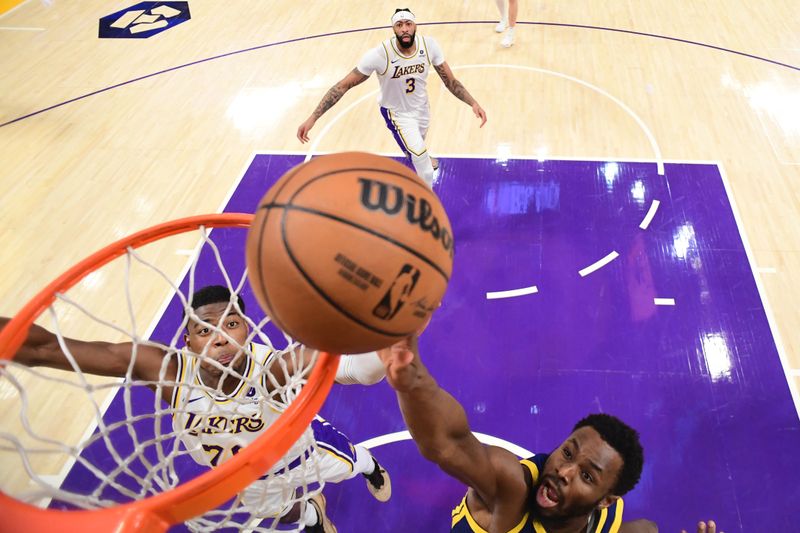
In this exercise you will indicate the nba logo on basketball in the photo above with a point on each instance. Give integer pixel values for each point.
(398, 292)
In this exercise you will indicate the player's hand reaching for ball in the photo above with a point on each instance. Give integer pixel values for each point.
(479, 112)
(706, 527)
(401, 362)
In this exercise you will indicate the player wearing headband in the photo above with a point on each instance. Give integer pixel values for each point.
(402, 64)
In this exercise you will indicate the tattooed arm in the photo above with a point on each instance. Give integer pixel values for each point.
(334, 94)
(459, 91)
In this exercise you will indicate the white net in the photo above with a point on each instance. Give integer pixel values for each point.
(168, 412)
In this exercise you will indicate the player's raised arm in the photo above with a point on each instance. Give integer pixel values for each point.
(357, 369)
(459, 91)
(439, 426)
(334, 94)
(41, 348)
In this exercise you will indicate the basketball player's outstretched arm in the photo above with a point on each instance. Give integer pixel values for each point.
(356, 369)
(41, 348)
(439, 426)
(334, 94)
(459, 91)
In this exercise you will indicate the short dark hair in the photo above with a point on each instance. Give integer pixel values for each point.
(625, 440)
(213, 294)
(399, 9)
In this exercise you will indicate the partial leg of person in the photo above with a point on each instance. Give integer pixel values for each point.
(345, 460)
(508, 38)
(333, 459)
(316, 519)
(408, 133)
(503, 24)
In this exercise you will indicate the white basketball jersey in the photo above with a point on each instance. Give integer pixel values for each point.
(403, 78)
(215, 427)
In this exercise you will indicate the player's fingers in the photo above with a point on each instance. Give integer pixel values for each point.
(712, 527)
(701, 527)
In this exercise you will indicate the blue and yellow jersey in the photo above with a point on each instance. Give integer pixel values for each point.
(601, 521)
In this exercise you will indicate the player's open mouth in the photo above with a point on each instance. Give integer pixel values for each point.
(547, 496)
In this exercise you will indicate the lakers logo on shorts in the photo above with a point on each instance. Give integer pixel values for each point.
(398, 293)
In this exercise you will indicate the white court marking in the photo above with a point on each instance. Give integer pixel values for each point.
(650, 214)
(597, 265)
(650, 137)
(389, 438)
(512, 293)
(761, 292)
(664, 301)
(649, 134)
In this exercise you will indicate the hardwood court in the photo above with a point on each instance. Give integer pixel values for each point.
(102, 137)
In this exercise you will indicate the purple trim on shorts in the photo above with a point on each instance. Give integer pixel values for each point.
(331, 439)
(393, 129)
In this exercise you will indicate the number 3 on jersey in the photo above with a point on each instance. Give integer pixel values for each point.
(410, 83)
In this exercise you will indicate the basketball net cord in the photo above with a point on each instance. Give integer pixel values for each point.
(141, 452)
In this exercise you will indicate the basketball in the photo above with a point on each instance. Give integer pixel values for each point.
(349, 252)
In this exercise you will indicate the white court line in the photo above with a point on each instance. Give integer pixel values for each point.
(512, 293)
(389, 438)
(620, 103)
(312, 148)
(19, 28)
(656, 149)
(762, 293)
(664, 301)
(598, 264)
(767, 270)
(650, 214)
(521, 157)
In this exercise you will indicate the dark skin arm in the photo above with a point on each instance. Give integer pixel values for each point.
(439, 426)
(459, 91)
(334, 94)
(41, 348)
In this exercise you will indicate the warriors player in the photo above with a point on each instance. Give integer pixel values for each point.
(213, 416)
(575, 489)
(402, 64)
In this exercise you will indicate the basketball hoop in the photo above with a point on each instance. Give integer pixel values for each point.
(176, 504)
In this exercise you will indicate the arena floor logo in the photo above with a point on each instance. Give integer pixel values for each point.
(143, 20)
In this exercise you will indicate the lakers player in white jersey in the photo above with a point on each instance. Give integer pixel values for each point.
(402, 65)
(213, 415)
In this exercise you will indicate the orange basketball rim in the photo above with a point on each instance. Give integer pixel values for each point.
(213, 488)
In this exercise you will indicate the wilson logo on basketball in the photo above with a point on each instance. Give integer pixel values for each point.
(398, 293)
(391, 199)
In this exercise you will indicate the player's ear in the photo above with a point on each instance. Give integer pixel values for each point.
(607, 501)
(186, 340)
